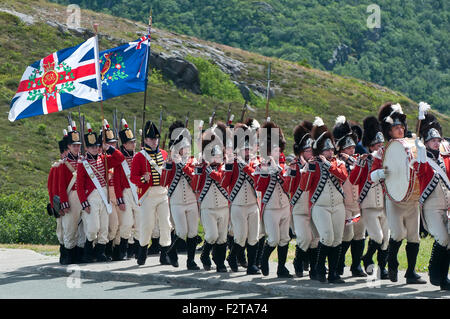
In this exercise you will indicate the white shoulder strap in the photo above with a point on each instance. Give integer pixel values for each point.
(97, 185)
(152, 162)
(127, 172)
(438, 170)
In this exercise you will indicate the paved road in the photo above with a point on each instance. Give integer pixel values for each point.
(19, 285)
(27, 274)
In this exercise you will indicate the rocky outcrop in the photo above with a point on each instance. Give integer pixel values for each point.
(182, 73)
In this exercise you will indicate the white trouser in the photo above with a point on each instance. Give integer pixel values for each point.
(403, 219)
(215, 224)
(329, 222)
(113, 223)
(276, 224)
(155, 231)
(376, 223)
(305, 231)
(354, 231)
(81, 235)
(245, 221)
(155, 207)
(59, 231)
(96, 222)
(185, 219)
(127, 216)
(437, 225)
(69, 221)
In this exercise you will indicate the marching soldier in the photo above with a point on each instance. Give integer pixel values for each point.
(146, 170)
(306, 234)
(371, 198)
(177, 176)
(433, 169)
(403, 217)
(113, 227)
(240, 182)
(92, 193)
(126, 192)
(275, 207)
(52, 186)
(354, 230)
(323, 179)
(213, 198)
(254, 125)
(67, 191)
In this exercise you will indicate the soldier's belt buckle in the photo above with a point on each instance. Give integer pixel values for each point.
(92, 175)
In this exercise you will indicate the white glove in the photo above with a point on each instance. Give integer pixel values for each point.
(378, 175)
(421, 151)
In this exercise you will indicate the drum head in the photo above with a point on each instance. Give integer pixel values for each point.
(397, 162)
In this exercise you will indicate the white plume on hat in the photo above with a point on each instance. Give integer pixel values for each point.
(64, 132)
(318, 122)
(340, 120)
(423, 109)
(397, 108)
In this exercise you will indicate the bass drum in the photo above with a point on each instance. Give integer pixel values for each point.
(401, 183)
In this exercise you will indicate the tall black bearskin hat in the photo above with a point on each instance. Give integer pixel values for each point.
(73, 134)
(268, 142)
(252, 123)
(239, 141)
(110, 136)
(372, 133)
(302, 137)
(323, 139)
(151, 131)
(430, 128)
(90, 138)
(343, 134)
(217, 132)
(126, 134)
(357, 129)
(391, 115)
(179, 133)
(63, 143)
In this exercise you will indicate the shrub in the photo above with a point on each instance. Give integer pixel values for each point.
(214, 82)
(24, 218)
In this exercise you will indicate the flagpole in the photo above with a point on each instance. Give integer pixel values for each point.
(103, 131)
(146, 80)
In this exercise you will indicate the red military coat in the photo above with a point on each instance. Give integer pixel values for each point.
(429, 178)
(314, 178)
(139, 167)
(85, 186)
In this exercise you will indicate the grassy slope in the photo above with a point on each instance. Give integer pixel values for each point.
(26, 151)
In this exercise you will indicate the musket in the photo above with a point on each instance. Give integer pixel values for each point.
(120, 122)
(244, 109)
(186, 120)
(81, 130)
(160, 121)
(164, 141)
(228, 114)
(148, 75)
(116, 132)
(268, 91)
(134, 126)
(83, 143)
(213, 115)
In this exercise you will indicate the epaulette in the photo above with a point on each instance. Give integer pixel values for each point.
(56, 164)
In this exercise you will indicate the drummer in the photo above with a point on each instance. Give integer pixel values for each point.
(433, 169)
(403, 217)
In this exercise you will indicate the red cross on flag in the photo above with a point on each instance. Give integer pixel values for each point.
(62, 80)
